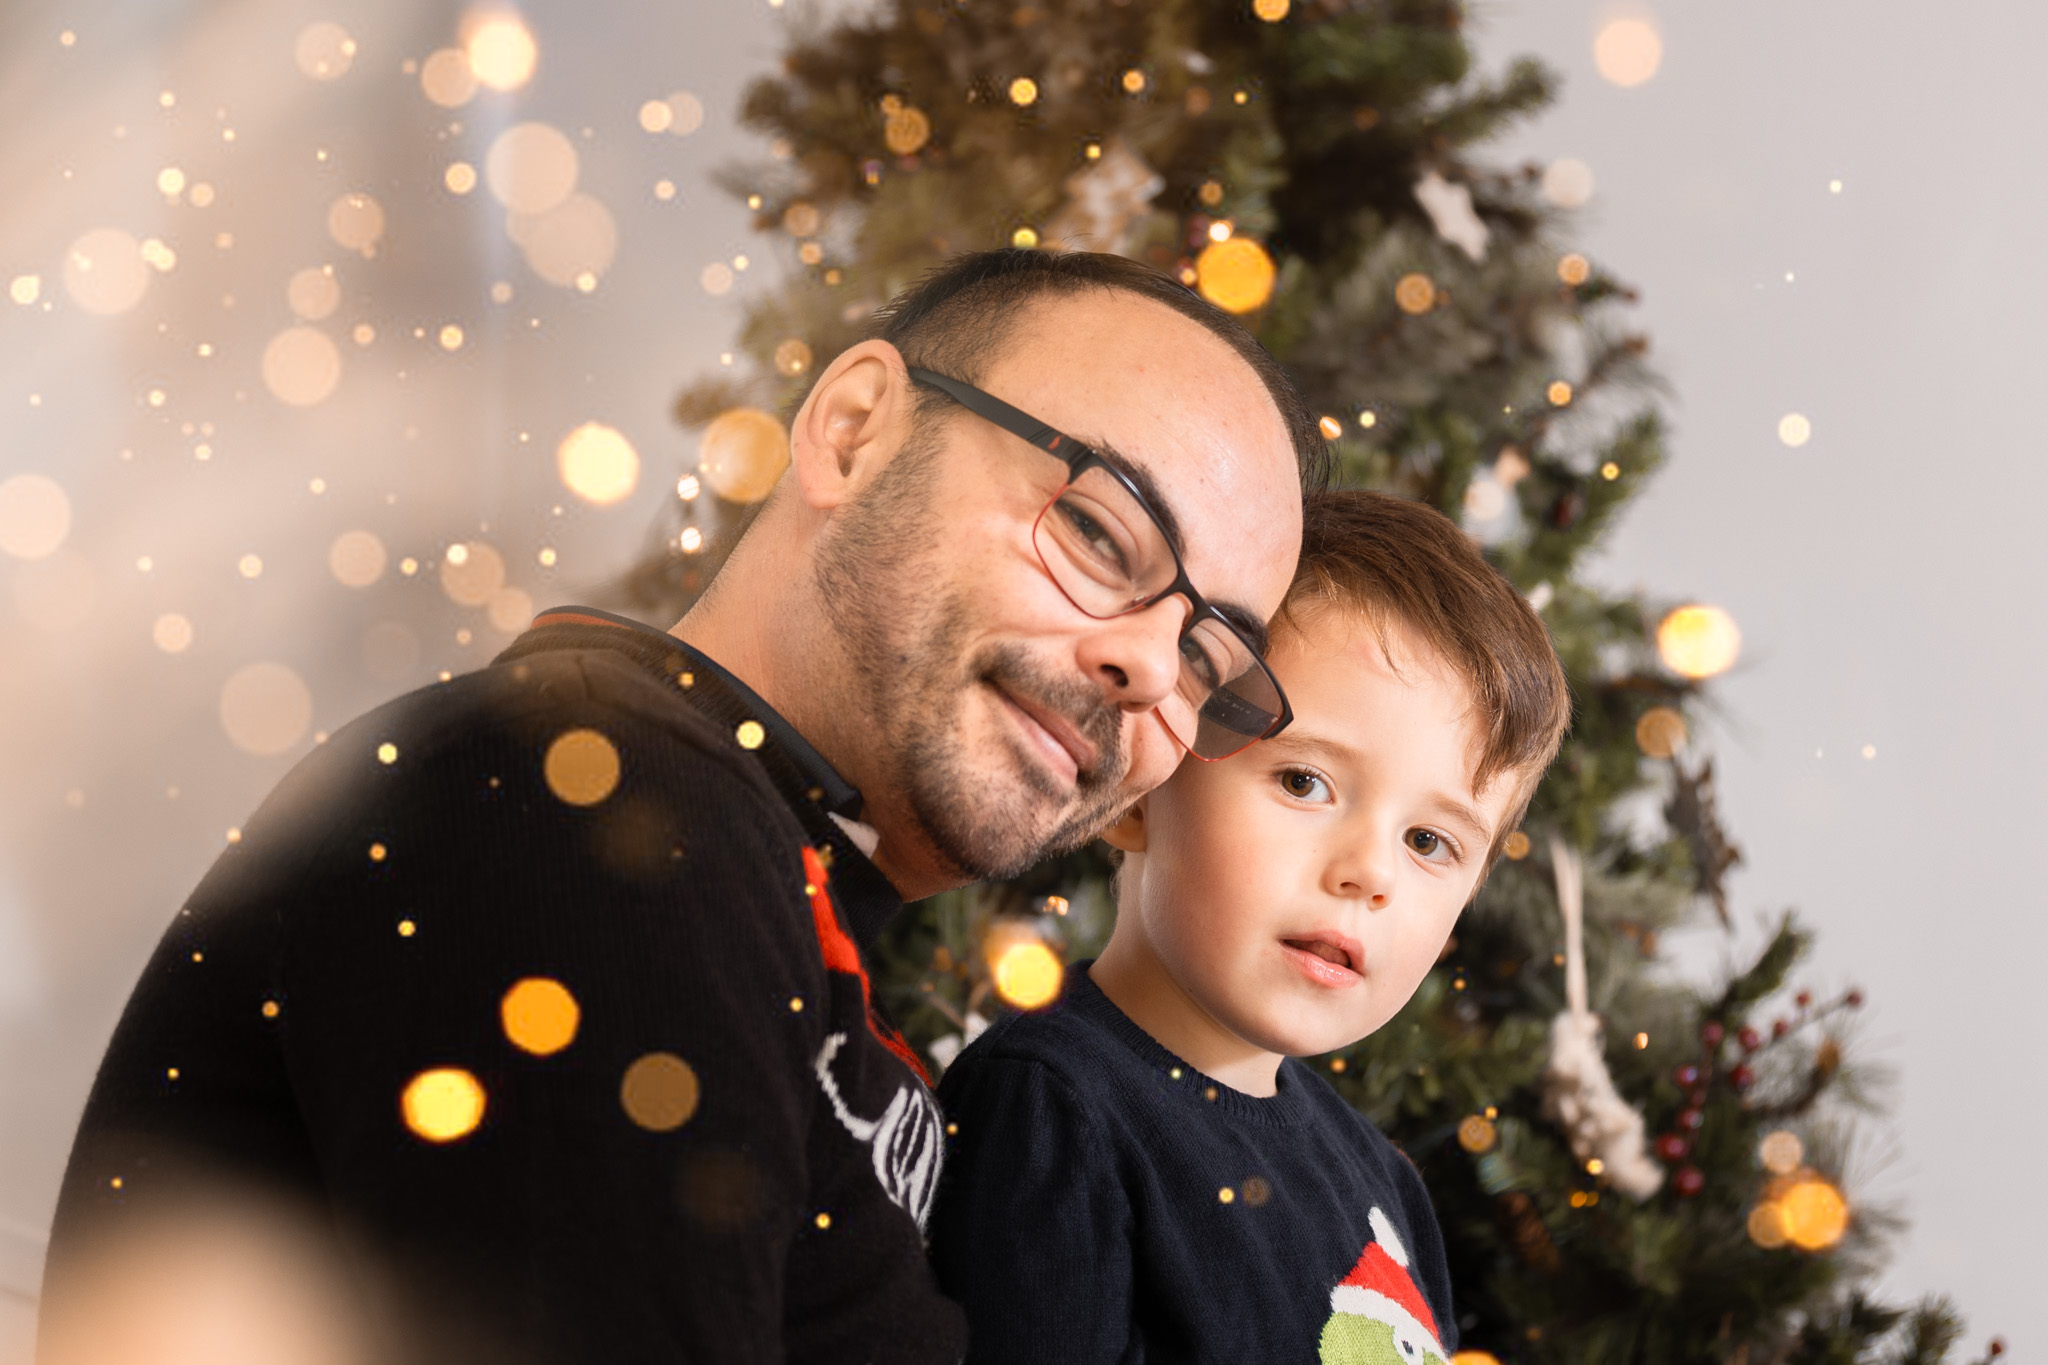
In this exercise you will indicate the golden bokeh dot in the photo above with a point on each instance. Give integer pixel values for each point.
(460, 177)
(796, 1004)
(581, 767)
(822, 1221)
(1226, 1195)
(1272, 11)
(531, 167)
(172, 633)
(1794, 429)
(1024, 237)
(659, 1092)
(443, 1104)
(1028, 974)
(1235, 274)
(313, 293)
(357, 559)
(1415, 293)
(686, 114)
(750, 734)
(1766, 1225)
(657, 115)
(445, 78)
(1610, 471)
(510, 610)
(716, 278)
(451, 337)
(1628, 51)
(1781, 1152)
(571, 245)
(1023, 91)
(598, 464)
(170, 181)
(1330, 427)
(355, 222)
(324, 51)
(502, 53)
(906, 130)
(742, 453)
(801, 219)
(301, 367)
(1516, 846)
(1574, 269)
(270, 1009)
(387, 753)
(471, 572)
(1816, 1216)
(1133, 81)
(1660, 732)
(1559, 392)
(540, 1016)
(792, 357)
(25, 289)
(35, 516)
(378, 853)
(1698, 641)
(105, 272)
(1477, 1134)
(406, 928)
(265, 709)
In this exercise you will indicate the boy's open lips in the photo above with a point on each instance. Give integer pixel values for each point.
(1327, 959)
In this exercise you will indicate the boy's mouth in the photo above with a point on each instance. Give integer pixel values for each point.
(1329, 957)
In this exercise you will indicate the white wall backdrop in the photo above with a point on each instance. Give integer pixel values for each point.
(1885, 573)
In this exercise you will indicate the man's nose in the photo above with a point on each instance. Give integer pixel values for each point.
(1135, 658)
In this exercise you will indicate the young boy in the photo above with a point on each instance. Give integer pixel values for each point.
(1140, 1172)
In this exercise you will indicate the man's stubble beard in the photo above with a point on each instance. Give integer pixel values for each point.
(904, 630)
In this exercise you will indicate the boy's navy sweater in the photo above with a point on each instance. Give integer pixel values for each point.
(1104, 1201)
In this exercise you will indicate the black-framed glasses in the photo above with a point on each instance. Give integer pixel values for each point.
(1104, 546)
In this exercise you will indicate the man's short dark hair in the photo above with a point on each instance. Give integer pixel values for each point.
(959, 317)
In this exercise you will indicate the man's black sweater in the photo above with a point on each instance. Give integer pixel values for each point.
(1105, 1202)
(752, 1193)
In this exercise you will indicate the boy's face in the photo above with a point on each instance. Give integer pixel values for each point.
(1297, 893)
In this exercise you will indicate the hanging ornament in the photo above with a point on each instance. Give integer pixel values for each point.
(1235, 274)
(1449, 207)
(1577, 1091)
(1105, 198)
(742, 454)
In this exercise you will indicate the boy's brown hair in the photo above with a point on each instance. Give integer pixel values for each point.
(1403, 563)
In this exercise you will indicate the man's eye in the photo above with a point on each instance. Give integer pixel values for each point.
(1094, 535)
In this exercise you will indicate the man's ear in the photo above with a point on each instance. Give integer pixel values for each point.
(854, 420)
(1128, 833)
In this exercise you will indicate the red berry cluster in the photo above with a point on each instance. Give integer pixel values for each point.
(1693, 1078)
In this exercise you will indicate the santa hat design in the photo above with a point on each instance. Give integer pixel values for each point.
(1379, 1287)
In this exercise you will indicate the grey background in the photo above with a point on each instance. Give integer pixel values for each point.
(1883, 575)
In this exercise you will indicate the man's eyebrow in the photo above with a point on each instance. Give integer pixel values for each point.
(1248, 622)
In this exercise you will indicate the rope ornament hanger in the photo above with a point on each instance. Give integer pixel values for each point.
(1578, 1094)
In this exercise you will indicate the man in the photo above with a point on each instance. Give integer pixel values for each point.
(545, 988)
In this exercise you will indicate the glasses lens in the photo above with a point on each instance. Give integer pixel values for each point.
(1232, 697)
(1102, 547)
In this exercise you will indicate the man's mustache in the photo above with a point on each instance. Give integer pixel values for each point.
(1098, 720)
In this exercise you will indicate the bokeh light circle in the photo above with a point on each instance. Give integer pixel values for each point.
(576, 238)
(265, 708)
(581, 767)
(1699, 641)
(172, 633)
(660, 1092)
(540, 1016)
(471, 573)
(105, 272)
(742, 453)
(1235, 274)
(355, 222)
(314, 293)
(357, 559)
(531, 167)
(35, 516)
(443, 1104)
(324, 51)
(1628, 51)
(598, 464)
(502, 52)
(445, 78)
(301, 366)
(1028, 974)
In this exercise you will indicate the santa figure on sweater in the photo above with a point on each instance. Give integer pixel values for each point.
(1377, 1315)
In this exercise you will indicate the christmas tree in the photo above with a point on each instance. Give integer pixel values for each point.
(1626, 1169)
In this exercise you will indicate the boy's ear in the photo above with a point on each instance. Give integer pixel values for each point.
(1128, 833)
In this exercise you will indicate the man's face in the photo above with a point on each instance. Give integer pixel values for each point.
(1295, 894)
(1010, 724)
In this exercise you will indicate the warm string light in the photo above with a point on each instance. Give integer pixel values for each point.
(1698, 641)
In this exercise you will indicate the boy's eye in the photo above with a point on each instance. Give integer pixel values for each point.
(1429, 844)
(1306, 786)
